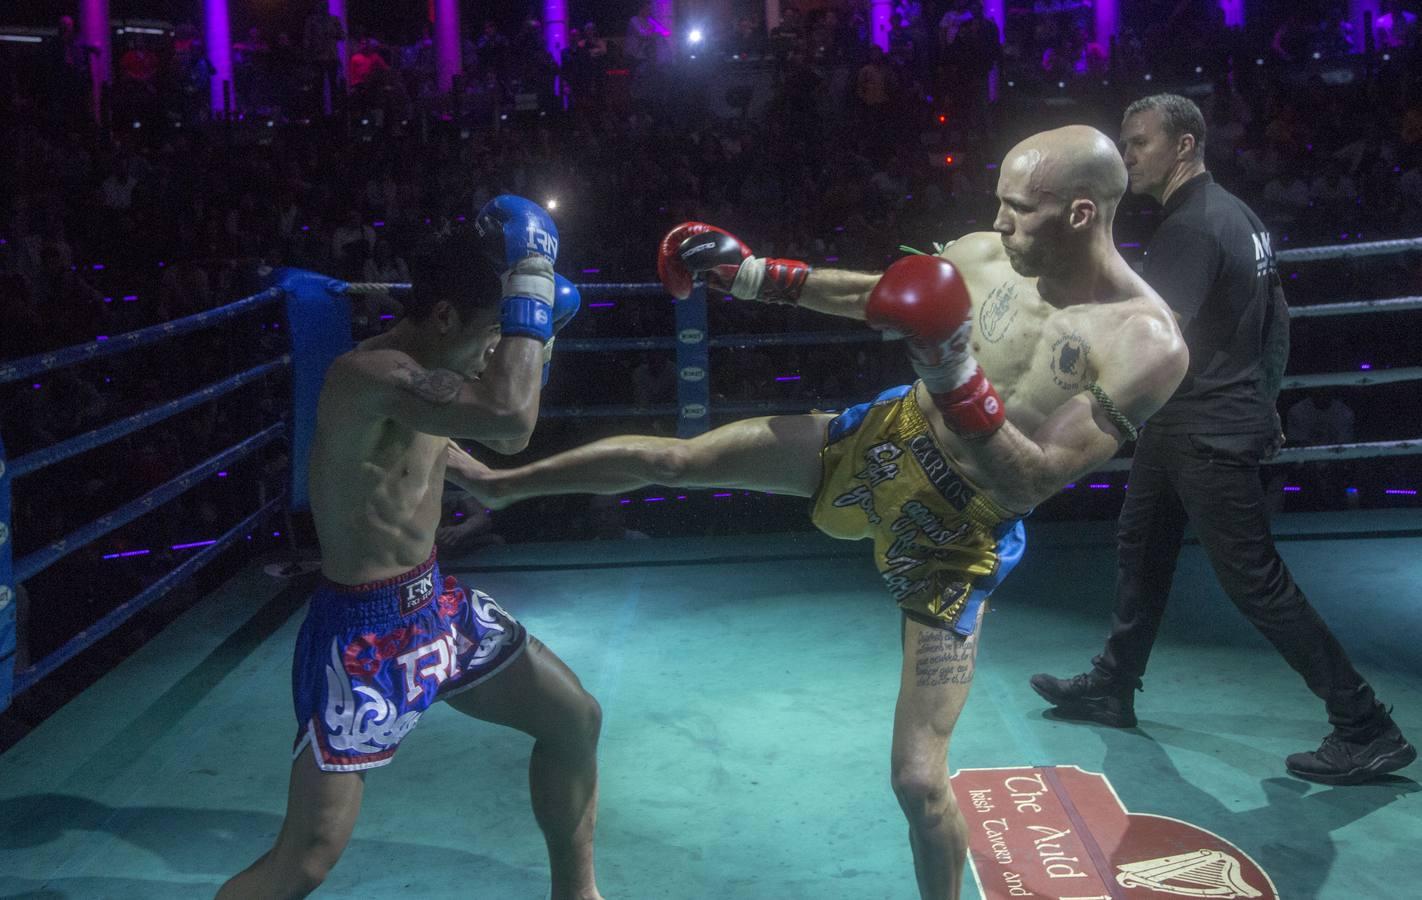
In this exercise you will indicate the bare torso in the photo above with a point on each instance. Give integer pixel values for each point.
(375, 486)
(1037, 355)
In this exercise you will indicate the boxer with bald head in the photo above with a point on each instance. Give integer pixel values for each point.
(1037, 350)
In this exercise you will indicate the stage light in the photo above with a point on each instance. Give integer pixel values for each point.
(552, 203)
(696, 36)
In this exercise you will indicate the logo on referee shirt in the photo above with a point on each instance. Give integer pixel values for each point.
(416, 592)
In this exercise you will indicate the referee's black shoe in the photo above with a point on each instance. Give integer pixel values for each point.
(1342, 761)
(1090, 697)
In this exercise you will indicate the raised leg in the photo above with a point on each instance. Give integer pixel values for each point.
(776, 453)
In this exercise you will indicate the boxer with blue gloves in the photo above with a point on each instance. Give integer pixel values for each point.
(384, 624)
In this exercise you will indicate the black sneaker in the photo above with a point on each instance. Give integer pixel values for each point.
(1090, 696)
(1338, 761)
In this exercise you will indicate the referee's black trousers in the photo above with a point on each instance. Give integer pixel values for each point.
(1212, 480)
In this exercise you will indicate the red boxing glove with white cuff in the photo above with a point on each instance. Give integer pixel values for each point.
(924, 299)
(695, 248)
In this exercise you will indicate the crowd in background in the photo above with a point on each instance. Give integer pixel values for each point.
(830, 150)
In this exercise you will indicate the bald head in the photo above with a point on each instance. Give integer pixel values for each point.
(1072, 163)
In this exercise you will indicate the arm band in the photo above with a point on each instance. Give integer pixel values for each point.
(1112, 413)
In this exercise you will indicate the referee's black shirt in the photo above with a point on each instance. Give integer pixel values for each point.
(1212, 261)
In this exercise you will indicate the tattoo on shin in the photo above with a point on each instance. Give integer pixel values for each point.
(943, 657)
(438, 386)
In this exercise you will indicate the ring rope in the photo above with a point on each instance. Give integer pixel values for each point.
(58, 359)
(28, 566)
(1337, 251)
(1352, 307)
(55, 453)
(26, 677)
(1353, 379)
(1289, 455)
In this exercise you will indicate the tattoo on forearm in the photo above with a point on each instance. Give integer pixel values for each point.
(997, 312)
(943, 657)
(438, 386)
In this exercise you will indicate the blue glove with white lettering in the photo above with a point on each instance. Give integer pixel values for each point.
(566, 303)
(520, 239)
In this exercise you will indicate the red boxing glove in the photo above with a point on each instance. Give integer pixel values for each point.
(695, 248)
(924, 299)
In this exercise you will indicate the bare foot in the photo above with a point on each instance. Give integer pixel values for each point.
(475, 477)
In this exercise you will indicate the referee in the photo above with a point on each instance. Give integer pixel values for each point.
(1198, 458)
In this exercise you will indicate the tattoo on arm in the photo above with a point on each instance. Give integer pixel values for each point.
(943, 657)
(438, 386)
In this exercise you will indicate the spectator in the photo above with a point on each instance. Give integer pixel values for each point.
(322, 42)
(1395, 27)
(384, 266)
(648, 41)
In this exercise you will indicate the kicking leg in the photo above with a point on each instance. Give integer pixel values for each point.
(321, 809)
(775, 453)
(933, 686)
(540, 696)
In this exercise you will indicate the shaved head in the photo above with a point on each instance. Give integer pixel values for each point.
(1072, 163)
(1058, 192)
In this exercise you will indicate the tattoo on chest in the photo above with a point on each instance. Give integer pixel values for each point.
(944, 658)
(438, 386)
(997, 312)
(1071, 357)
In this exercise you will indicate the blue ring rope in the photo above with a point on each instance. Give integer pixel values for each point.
(58, 359)
(28, 566)
(48, 456)
(119, 614)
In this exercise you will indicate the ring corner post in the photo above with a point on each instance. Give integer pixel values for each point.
(318, 317)
(9, 591)
(693, 365)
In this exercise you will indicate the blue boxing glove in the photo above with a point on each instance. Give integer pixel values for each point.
(520, 239)
(566, 303)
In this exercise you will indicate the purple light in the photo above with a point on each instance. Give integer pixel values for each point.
(36, 385)
(276, 534)
(387, 316)
(129, 298)
(1099, 487)
(592, 271)
(108, 299)
(1130, 245)
(218, 45)
(1351, 490)
(601, 305)
(787, 377)
(1070, 486)
(378, 223)
(101, 337)
(308, 227)
(1365, 366)
(721, 496)
(681, 496)
(459, 218)
(222, 474)
(193, 544)
(448, 59)
(98, 267)
(831, 259)
(161, 264)
(459, 515)
(624, 502)
(653, 499)
(1292, 488)
(991, 166)
(1406, 492)
(127, 553)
